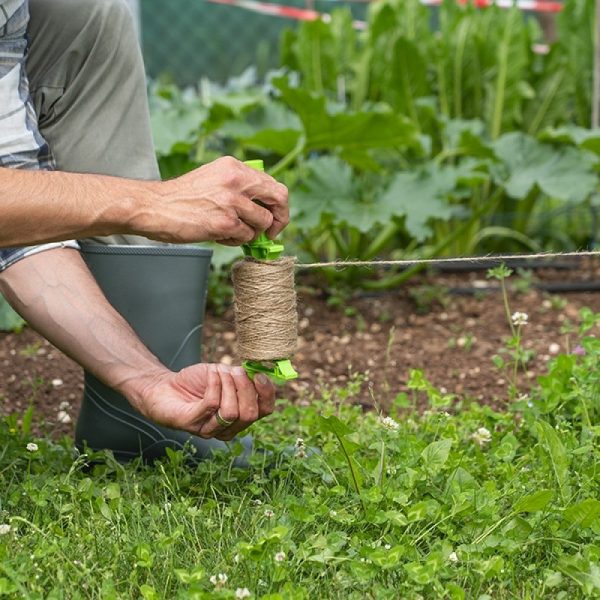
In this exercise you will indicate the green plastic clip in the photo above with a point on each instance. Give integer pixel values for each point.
(280, 372)
(262, 248)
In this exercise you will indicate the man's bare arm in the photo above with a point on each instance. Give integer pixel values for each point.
(213, 202)
(58, 296)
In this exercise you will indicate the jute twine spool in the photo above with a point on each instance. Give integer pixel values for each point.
(266, 317)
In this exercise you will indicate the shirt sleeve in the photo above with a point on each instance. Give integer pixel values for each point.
(21, 144)
(9, 256)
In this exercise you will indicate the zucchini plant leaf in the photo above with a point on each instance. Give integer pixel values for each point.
(377, 127)
(331, 189)
(564, 173)
(420, 197)
(588, 139)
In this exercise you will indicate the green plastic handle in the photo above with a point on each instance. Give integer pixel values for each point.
(262, 247)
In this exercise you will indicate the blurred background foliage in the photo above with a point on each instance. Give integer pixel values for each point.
(416, 137)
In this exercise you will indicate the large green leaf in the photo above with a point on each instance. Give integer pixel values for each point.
(565, 173)
(588, 139)
(176, 124)
(330, 189)
(436, 454)
(270, 126)
(420, 196)
(377, 127)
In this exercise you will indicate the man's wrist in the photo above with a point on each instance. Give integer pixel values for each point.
(137, 388)
(132, 208)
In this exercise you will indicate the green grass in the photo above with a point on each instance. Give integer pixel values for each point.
(424, 506)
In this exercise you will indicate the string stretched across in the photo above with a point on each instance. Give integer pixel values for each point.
(499, 258)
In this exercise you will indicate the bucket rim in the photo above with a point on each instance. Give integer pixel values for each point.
(145, 250)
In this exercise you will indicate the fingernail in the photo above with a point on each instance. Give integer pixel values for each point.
(261, 379)
(239, 371)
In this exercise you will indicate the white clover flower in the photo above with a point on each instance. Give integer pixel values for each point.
(453, 557)
(482, 436)
(280, 557)
(389, 423)
(257, 501)
(554, 348)
(299, 443)
(5, 528)
(32, 447)
(300, 452)
(269, 513)
(218, 580)
(63, 417)
(57, 382)
(242, 593)
(519, 318)
(388, 546)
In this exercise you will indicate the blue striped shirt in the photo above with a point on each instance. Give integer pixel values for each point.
(21, 144)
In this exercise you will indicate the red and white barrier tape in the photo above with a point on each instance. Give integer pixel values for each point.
(279, 10)
(306, 14)
(533, 5)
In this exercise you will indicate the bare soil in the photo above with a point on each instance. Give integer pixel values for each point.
(448, 325)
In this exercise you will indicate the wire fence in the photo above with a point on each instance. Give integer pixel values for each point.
(190, 39)
(187, 40)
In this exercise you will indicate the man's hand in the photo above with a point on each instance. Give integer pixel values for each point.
(216, 202)
(190, 399)
(213, 202)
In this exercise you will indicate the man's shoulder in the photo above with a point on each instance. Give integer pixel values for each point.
(10, 9)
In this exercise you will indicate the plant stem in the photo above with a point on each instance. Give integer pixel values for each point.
(289, 158)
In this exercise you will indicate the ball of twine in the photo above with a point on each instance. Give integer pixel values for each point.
(266, 316)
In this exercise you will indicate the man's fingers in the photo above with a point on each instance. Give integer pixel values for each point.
(228, 408)
(212, 398)
(273, 195)
(266, 394)
(253, 214)
(247, 397)
(247, 402)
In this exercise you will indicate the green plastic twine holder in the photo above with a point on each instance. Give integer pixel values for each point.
(262, 248)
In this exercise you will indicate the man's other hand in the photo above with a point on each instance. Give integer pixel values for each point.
(190, 399)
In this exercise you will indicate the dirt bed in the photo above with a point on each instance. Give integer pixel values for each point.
(449, 325)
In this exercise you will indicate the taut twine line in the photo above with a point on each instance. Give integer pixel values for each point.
(441, 261)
